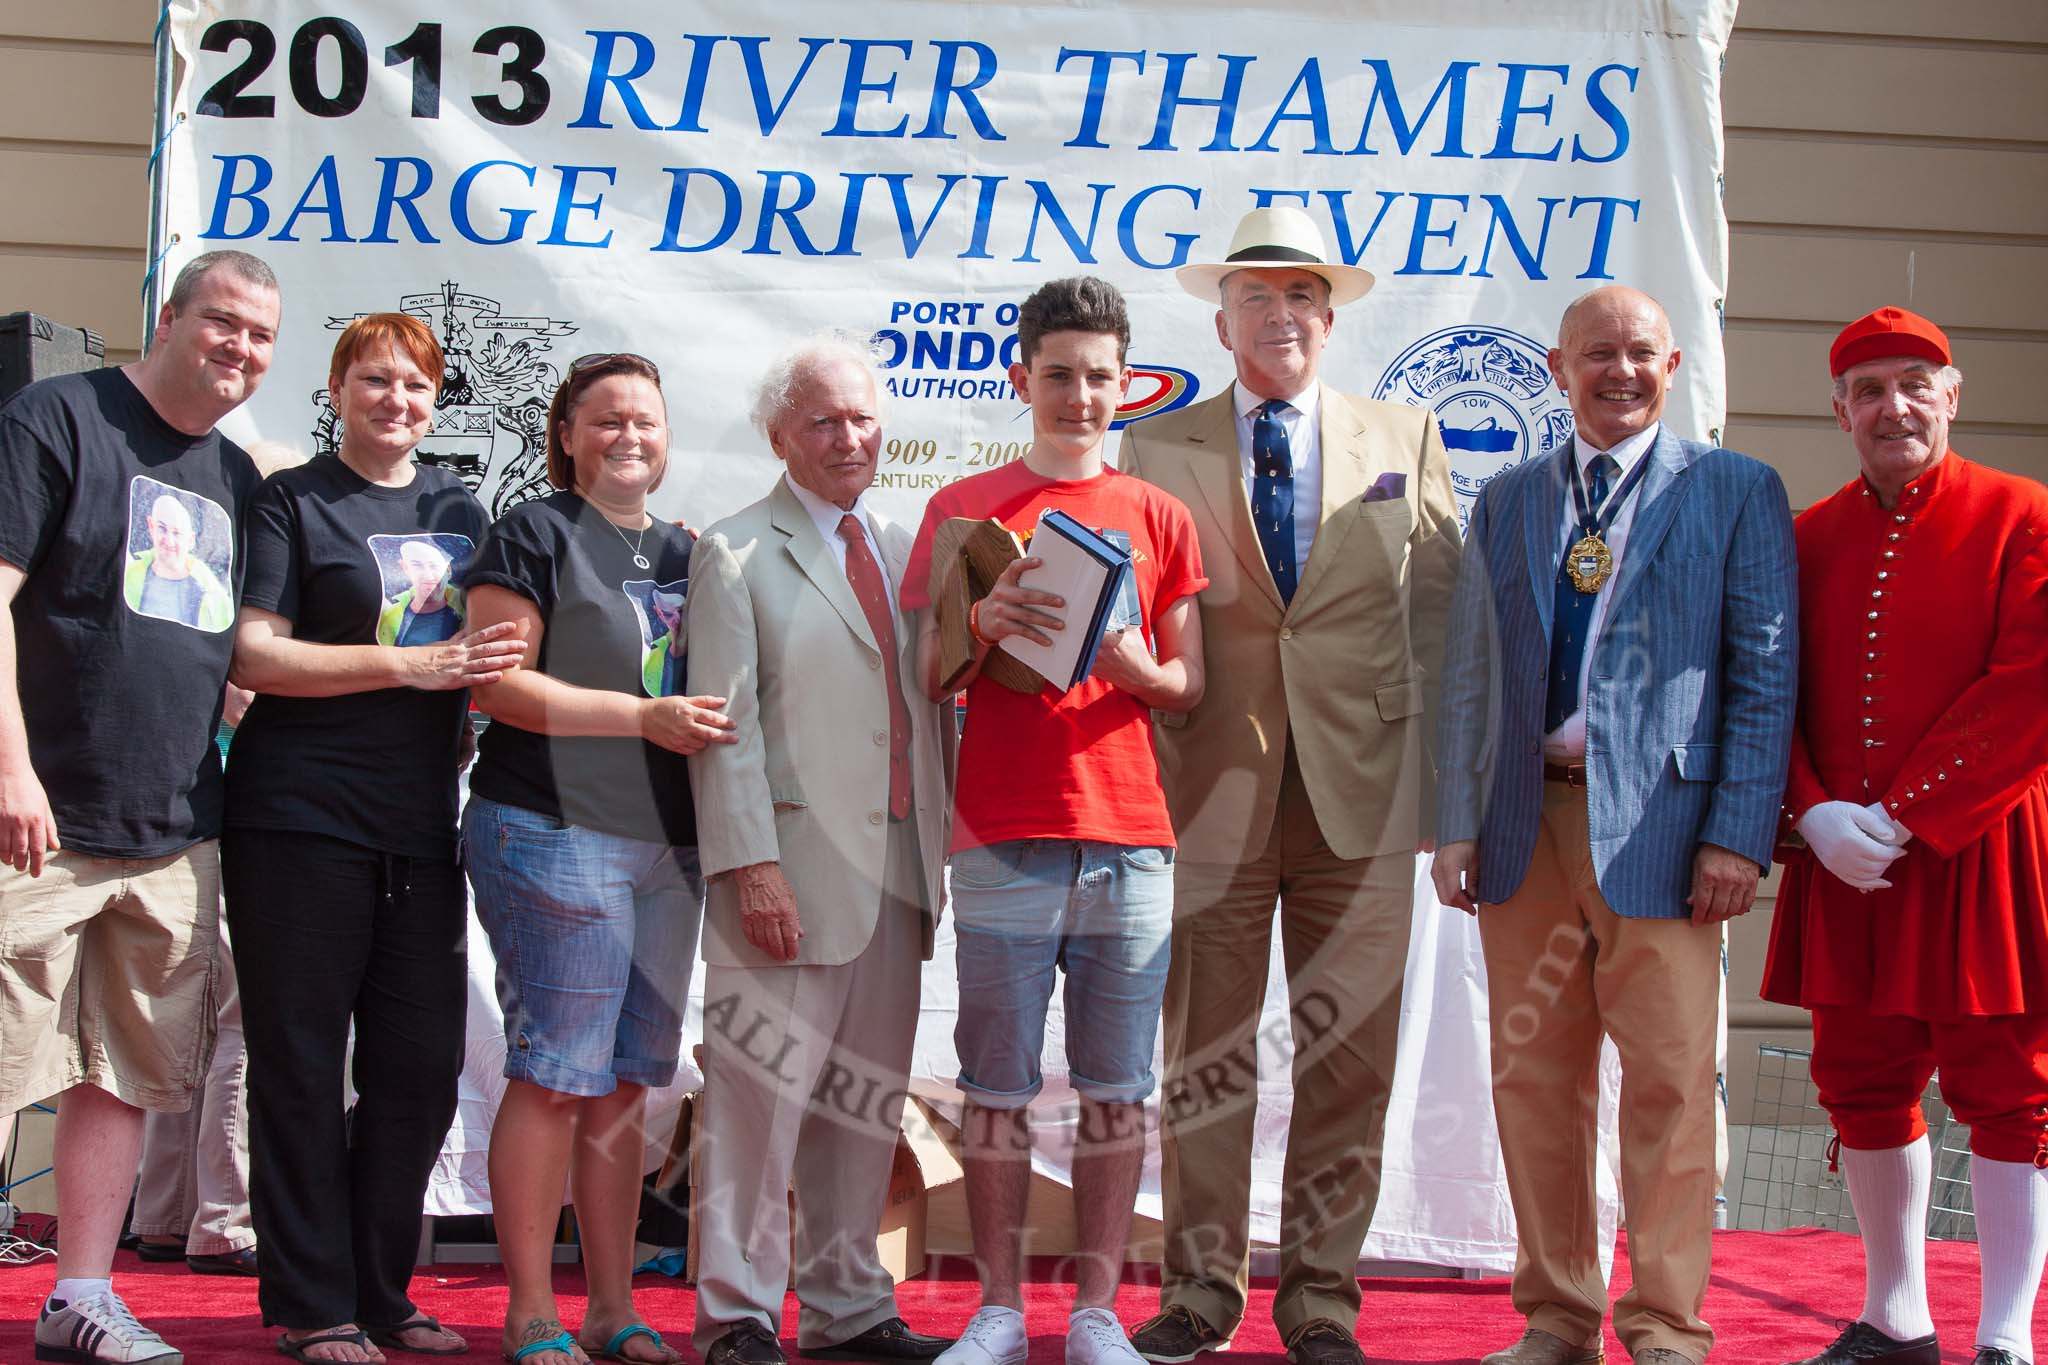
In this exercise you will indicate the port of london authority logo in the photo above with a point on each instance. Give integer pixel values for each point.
(499, 374)
(1490, 389)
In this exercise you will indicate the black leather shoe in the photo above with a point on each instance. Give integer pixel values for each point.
(887, 1341)
(746, 1344)
(1175, 1336)
(1862, 1344)
(1996, 1355)
(1320, 1341)
(241, 1262)
(159, 1253)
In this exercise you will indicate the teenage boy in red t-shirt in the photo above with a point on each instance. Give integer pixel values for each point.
(1062, 851)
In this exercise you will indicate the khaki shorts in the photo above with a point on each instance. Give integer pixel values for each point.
(107, 977)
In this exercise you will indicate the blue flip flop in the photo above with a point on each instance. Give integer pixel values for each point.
(560, 1341)
(613, 1349)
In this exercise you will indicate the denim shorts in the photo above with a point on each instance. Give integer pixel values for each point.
(1103, 914)
(595, 935)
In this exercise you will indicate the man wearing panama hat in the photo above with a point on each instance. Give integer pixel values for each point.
(1331, 538)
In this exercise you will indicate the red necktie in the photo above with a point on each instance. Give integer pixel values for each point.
(866, 577)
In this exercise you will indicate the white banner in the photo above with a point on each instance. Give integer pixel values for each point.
(700, 183)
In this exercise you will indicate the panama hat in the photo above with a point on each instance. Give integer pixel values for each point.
(1278, 238)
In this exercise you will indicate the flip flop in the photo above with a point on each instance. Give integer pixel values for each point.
(560, 1341)
(354, 1336)
(614, 1349)
(389, 1336)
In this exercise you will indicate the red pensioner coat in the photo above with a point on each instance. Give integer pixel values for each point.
(1923, 683)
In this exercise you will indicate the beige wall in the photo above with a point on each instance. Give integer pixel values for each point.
(77, 81)
(1868, 163)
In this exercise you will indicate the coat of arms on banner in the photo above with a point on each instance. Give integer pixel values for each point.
(499, 374)
(1490, 389)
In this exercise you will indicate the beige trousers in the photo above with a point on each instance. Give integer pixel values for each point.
(1344, 937)
(804, 1074)
(195, 1165)
(1563, 970)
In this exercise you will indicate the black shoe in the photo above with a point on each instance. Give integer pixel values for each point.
(1320, 1341)
(1862, 1344)
(241, 1262)
(748, 1343)
(887, 1341)
(1996, 1355)
(160, 1253)
(1175, 1336)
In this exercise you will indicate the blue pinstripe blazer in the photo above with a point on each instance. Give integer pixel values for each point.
(1692, 678)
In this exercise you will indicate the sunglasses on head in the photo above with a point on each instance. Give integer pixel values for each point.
(596, 358)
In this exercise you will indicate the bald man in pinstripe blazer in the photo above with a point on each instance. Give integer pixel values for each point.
(1616, 727)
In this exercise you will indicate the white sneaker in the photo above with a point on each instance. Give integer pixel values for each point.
(99, 1328)
(994, 1336)
(1095, 1337)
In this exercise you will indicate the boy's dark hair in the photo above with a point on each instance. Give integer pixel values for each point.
(1078, 303)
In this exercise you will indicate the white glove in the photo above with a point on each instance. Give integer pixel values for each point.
(1851, 842)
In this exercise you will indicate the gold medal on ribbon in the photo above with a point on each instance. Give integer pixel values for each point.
(1590, 563)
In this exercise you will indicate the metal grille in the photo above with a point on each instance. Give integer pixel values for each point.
(1951, 1217)
(1786, 1182)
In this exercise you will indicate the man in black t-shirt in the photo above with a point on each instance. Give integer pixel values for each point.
(120, 558)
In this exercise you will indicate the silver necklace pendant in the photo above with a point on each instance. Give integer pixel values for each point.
(633, 545)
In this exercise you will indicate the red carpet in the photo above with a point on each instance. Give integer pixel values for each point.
(1775, 1296)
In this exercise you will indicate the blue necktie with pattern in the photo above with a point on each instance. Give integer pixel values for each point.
(1572, 615)
(1273, 494)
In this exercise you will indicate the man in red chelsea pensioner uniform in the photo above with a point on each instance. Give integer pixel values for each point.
(1913, 922)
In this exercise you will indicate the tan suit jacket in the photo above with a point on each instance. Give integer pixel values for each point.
(776, 629)
(1348, 667)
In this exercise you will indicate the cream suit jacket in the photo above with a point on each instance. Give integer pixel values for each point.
(776, 630)
(1348, 667)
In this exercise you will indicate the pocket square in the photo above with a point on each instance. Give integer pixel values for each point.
(1386, 487)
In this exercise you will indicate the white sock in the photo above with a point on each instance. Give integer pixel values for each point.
(2011, 1199)
(1889, 1190)
(70, 1291)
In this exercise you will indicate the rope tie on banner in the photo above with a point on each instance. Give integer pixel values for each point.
(149, 166)
(150, 273)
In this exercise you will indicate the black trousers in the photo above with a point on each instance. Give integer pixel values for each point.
(326, 932)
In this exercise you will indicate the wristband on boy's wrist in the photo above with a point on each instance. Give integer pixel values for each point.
(974, 627)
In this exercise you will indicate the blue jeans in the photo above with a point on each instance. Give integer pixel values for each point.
(1103, 913)
(595, 935)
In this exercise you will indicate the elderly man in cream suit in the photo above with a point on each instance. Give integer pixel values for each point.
(821, 832)
(1331, 539)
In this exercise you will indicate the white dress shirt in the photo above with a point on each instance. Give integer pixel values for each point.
(1303, 423)
(828, 515)
(1567, 743)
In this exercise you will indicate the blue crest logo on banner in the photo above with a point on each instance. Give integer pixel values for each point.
(1490, 389)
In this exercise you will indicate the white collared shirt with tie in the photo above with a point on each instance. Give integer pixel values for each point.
(828, 515)
(1567, 743)
(1303, 423)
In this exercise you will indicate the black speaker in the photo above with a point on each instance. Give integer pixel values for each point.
(32, 347)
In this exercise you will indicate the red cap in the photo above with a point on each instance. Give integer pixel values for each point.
(1887, 332)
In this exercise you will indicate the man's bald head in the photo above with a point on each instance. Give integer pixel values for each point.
(1614, 361)
(1608, 299)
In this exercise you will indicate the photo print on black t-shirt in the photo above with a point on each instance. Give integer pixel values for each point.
(181, 551)
(664, 635)
(422, 604)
